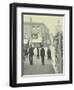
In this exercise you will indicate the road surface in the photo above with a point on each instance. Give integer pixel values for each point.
(37, 67)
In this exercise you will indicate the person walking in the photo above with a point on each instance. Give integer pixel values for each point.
(49, 53)
(26, 52)
(31, 53)
(42, 53)
(37, 52)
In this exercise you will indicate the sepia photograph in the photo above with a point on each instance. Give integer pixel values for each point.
(42, 43)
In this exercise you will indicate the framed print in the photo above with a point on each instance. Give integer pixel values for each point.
(40, 44)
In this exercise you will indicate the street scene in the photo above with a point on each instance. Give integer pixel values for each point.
(42, 46)
(37, 67)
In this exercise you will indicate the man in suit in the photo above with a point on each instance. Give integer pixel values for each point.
(42, 53)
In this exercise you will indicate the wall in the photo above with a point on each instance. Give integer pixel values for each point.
(4, 44)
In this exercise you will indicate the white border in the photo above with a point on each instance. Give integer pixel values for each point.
(42, 78)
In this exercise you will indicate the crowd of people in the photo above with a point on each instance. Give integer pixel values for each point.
(39, 52)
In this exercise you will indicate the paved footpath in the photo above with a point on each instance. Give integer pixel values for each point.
(37, 67)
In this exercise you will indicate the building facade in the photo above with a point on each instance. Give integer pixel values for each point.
(36, 34)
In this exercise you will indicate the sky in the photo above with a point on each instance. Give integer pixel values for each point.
(50, 21)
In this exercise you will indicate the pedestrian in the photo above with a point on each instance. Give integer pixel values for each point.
(37, 52)
(31, 53)
(45, 48)
(42, 53)
(49, 53)
(26, 52)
